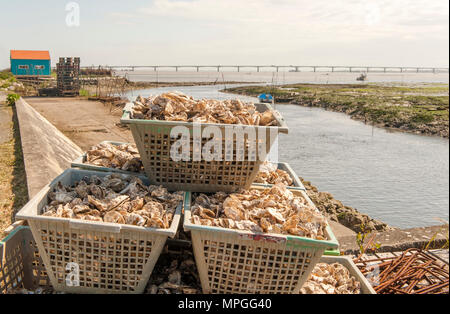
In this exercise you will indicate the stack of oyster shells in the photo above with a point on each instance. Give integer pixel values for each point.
(176, 106)
(331, 279)
(124, 157)
(276, 210)
(115, 199)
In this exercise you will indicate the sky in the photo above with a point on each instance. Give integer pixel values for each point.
(234, 32)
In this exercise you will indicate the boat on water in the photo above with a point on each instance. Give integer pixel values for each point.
(265, 98)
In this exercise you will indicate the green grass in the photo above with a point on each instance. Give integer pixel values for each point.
(12, 98)
(407, 107)
(84, 93)
(6, 79)
(6, 75)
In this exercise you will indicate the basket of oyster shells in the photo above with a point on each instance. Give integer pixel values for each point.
(261, 240)
(111, 156)
(101, 232)
(273, 173)
(336, 275)
(152, 121)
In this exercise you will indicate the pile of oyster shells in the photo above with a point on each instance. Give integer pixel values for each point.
(175, 273)
(270, 174)
(116, 199)
(276, 210)
(331, 279)
(125, 157)
(176, 106)
(38, 290)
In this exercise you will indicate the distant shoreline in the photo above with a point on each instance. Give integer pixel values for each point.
(419, 109)
(143, 84)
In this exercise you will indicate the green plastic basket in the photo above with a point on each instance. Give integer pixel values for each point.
(235, 261)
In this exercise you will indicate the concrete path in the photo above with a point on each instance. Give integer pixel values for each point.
(341, 231)
(399, 240)
(85, 122)
(46, 151)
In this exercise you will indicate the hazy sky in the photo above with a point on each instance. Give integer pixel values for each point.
(302, 32)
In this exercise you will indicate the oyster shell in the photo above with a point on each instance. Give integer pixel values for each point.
(114, 217)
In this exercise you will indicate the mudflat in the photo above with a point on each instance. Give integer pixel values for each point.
(415, 108)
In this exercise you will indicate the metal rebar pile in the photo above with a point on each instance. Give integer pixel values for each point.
(413, 272)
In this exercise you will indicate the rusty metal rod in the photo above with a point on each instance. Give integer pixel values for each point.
(413, 272)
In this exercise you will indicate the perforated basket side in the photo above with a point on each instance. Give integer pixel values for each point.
(39, 273)
(20, 264)
(228, 263)
(107, 262)
(154, 144)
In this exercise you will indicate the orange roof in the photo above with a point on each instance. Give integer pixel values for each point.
(30, 55)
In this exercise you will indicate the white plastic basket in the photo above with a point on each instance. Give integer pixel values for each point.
(108, 257)
(235, 261)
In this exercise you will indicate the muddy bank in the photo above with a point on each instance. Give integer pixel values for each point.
(345, 215)
(432, 128)
(141, 84)
(127, 85)
(421, 109)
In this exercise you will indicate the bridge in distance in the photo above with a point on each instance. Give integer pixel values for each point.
(277, 68)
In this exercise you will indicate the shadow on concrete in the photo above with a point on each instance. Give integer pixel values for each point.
(19, 178)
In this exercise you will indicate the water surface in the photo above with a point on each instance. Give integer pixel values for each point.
(281, 77)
